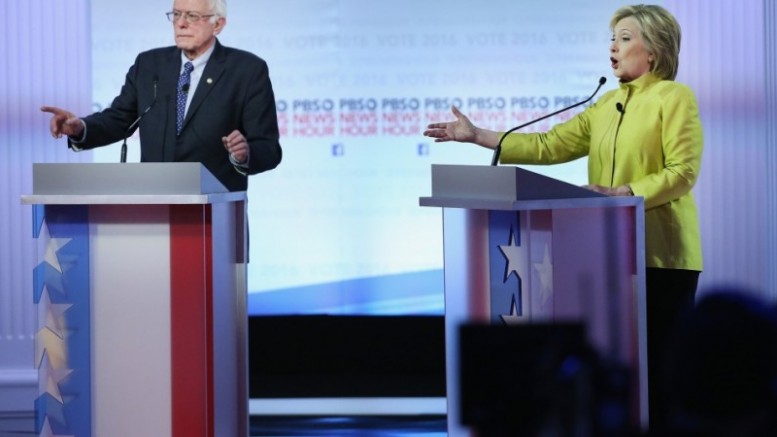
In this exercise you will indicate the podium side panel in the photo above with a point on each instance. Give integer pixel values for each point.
(595, 268)
(597, 279)
(465, 241)
(230, 321)
(131, 316)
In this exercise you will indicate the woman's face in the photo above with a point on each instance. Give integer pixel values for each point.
(629, 57)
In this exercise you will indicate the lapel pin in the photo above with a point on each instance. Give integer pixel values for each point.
(210, 81)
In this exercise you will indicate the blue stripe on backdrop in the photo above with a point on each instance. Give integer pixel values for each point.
(418, 293)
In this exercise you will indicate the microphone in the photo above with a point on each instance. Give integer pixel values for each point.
(135, 123)
(498, 148)
(185, 88)
(620, 108)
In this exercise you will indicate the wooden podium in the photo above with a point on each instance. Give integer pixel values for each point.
(140, 286)
(520, 247)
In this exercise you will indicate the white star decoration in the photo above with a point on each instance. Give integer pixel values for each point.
(545, 273)
(48, 343)
(513, 318)
(49, 379)
(48, 247)
(50, 314)
(46, 431)
(512, 253)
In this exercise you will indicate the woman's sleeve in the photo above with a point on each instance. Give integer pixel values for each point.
(681, 143)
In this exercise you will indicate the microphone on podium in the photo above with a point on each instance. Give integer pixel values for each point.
(498, 148)
(135, 123)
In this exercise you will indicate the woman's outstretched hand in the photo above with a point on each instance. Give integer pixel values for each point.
(461, 130)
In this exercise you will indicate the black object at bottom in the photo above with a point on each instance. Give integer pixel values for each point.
(347, 425)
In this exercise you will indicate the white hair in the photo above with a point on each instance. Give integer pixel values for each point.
(219, 8)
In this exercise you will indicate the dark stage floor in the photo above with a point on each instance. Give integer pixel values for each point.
(377, 426)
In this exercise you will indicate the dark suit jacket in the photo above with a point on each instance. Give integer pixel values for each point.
(234, 92)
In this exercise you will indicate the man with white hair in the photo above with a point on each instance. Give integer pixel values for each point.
(198, 101)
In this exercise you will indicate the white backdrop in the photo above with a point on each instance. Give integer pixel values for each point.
(355, 84)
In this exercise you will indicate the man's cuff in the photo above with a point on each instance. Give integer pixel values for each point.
(241, 168)
(75, 142)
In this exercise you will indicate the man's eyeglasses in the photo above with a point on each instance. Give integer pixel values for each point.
(190, 17)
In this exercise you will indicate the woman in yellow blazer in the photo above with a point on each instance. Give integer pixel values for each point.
(642, 139)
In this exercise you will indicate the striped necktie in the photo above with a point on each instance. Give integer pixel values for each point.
(183, 89)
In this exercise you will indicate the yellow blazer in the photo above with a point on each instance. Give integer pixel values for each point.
(655, 147)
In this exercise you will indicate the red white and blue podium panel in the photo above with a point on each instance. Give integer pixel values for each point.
(523, 248)
(142, 315)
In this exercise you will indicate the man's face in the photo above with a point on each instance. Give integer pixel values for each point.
(196, 37)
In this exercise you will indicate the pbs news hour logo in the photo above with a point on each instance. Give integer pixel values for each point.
(409, 116)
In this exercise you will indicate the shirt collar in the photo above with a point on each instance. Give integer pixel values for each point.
(200, 60)
(640, 83)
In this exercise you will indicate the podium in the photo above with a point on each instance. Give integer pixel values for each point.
(140, 287)
(520, 247)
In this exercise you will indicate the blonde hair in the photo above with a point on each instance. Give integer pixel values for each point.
(661, 34)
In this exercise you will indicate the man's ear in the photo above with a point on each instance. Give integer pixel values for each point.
(219, 25)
